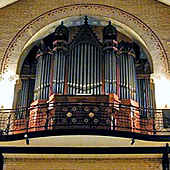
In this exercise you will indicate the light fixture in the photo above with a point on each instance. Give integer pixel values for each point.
(133, 141)
(27, 141)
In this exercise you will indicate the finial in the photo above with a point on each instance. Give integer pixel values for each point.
(109, 22)
(62, 23)
(85, 20)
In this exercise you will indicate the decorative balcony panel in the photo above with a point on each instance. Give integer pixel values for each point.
(70, 112)
(37, 116)
(63, 112)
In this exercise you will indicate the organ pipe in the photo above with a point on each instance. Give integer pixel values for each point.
(59, 71)
(146, 95)
(84, 71)
(110, 67)
(59, 63)
(127, 72)
(110, 59)
(42, 84)
(25, 95)
(110, 72)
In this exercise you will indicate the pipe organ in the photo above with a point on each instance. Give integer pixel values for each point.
(85, 66)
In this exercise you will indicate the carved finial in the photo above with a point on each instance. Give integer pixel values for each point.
(85, 20)
(109, 22)
(62, 23)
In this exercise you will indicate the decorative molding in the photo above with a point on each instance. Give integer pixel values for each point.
(28, 159)
(1, 77)
(154, 45)
(13, 78)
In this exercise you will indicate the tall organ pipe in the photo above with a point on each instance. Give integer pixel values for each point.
(110, 71)
(59, 71)
(25, 95)
(127, 72)
(42, 83)
(146, 95)
(84, 70)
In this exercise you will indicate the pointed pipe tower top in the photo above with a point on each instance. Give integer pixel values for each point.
(85, 20)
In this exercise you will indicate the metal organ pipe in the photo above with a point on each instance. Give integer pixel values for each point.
(92, 71)
(127, 73)
(110, 71)
(30, 91)
(48, 75)
(59, 71)
(146, 95)
(110, 59)
(37, 79)
(84, 70)
(42, 83)
(25, 95)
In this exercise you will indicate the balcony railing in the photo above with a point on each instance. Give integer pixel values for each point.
(89, 116)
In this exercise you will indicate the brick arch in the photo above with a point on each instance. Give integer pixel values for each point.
(153, 44)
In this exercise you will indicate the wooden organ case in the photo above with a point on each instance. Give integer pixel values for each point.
(83, 83)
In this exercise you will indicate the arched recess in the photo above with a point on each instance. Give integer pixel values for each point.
(77, 21)
(130, 24)
(125, 23)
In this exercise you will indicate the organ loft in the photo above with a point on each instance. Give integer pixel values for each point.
(83, 79)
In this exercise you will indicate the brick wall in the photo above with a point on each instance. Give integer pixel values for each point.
(14, 17)
(83, 164)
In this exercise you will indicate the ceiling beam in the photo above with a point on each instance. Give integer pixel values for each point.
(82, 150)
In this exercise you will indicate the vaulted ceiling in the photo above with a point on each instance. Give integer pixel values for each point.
(4, 3)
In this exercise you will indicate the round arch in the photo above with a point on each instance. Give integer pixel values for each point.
(126, 22)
